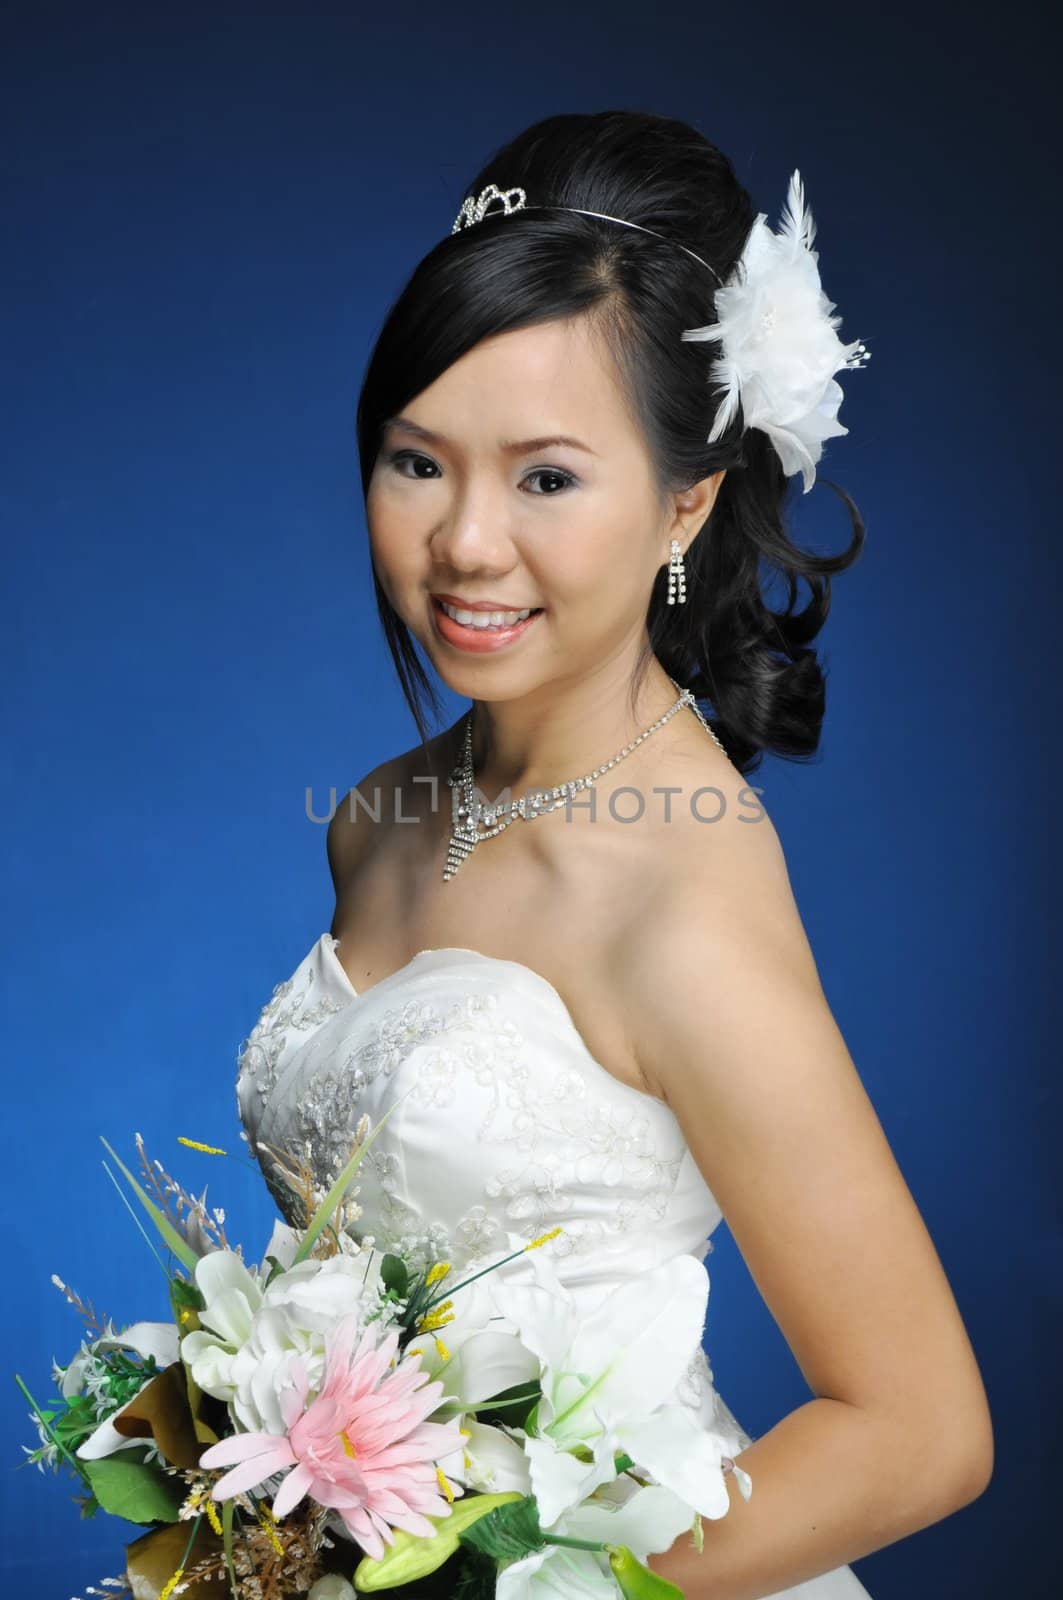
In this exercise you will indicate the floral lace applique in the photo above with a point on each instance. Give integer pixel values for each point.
(571, 1139)
(330, 1103)
(478, 1233)
(695, 1382)
(260, 1054)
(697, 1391)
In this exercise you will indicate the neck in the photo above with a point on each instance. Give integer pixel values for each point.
(548, 738)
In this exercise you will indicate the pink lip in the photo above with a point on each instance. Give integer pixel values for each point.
(478, 641)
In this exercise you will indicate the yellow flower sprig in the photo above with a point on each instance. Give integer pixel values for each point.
(206, 1149)
(543, 1238)
(535, 1244)
(269, 1524)
(202, 1501)
(431, 1320)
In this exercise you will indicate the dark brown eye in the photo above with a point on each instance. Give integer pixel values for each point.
(402, 456)
(565, 479)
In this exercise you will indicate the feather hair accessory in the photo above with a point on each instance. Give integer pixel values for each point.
(778, 347)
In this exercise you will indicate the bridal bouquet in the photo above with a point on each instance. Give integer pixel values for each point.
(336, 1421)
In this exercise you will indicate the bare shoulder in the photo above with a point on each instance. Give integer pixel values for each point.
(729, 1023)
(714, 859)
(412, 780)
(721, 924)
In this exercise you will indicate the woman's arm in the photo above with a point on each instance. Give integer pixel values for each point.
(731, 1026)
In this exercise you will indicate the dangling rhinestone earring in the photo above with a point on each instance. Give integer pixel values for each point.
(677, 577)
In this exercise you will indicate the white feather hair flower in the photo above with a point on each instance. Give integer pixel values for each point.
(779, 348)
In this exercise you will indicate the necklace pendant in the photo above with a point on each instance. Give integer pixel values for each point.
(461, 846)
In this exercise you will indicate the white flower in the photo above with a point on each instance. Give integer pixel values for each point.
(47, 1454)
(72, 1378)
(484, 1353)
(156, 1339)
(250, 1334)
(484, 1356)
(491, 1463)
(647, 1520)
(607, 1384)
(779, 348)
(283, 1245)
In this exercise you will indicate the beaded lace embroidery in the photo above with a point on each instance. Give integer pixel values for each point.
(288, 1009)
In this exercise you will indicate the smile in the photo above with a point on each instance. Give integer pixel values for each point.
(480, 631)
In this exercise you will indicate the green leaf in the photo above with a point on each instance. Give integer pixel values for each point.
(395, 1275)
(637, 1582)
(134, 1491)
(508, 1532)
(180, 1247)
(227, 1509)
(477, 1577)
(514, 1405)
(184, 1296)
(276, 1267)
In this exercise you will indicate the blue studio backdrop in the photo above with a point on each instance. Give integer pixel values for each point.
(208, 210)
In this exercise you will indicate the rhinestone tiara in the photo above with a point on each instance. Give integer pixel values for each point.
(474, 210)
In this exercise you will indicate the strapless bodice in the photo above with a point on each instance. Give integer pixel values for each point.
(510, 1124)
(502, 1126)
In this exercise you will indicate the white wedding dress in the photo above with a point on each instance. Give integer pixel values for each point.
(507, 1128)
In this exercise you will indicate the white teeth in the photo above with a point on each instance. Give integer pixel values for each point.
(485, 619)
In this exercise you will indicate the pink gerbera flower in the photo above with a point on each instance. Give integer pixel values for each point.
(361, 1447)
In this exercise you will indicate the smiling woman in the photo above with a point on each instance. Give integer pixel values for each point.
(573, 517)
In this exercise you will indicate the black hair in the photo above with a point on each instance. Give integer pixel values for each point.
(753, 665)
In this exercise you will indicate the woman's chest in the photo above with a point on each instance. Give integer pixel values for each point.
(565, 909)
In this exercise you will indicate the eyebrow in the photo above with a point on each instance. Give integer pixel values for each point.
(510, 446)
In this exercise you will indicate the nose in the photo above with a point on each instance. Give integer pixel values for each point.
(474, 534)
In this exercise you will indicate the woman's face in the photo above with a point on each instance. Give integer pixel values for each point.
(460, 505)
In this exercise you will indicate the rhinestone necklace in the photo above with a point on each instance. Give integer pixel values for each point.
(473, 821)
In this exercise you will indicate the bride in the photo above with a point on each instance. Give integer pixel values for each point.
(564, 928)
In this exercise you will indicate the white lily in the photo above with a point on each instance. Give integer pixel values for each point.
(648, 1520)
(492, 1462)
(156, 1339)
(608, 1380)
(483, 1352)
(478, 1355)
